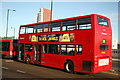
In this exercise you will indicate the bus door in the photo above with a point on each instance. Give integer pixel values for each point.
(21, 51)
(37, 52)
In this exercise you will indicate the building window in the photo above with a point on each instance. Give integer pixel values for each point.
(53, 48)
(29, 29)
(68, 25)
(46, 27)
(78, 49)
(44, 48)
(38, 28)
(55, 26)
(28, 47)
(67, 50)
(84, 23)
(22, 30)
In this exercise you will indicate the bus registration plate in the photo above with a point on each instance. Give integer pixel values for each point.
(103, 62)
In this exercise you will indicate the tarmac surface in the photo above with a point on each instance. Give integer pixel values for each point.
(18, 70)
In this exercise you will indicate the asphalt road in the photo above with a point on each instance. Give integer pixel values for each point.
(14, 69)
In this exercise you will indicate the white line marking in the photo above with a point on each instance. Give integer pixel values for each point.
(9, 61)
(4, 68)
(20, 71)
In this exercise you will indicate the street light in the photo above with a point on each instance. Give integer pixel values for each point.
(13, 32)
(7, 21)
(51, 10)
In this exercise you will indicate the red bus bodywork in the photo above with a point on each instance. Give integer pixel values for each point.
(92, 60)
(11, 52)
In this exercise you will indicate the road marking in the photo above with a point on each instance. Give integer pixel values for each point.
(20, 71)
(9, 61)
(4, 68)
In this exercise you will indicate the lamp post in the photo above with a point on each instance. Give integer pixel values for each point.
(7, 21)
(13, 32)
(51, 10)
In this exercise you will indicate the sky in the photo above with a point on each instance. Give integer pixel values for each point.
(26, 13)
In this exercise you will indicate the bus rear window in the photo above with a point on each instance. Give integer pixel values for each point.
(103, 47)
(102, 21)
(5, 46)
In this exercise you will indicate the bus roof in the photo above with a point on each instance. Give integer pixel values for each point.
(64, 19)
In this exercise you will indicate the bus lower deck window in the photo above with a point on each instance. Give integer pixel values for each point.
(44, 48)
(53, 48)
(67, 50)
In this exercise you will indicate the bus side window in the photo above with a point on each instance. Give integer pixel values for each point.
(29, 29)
(84, 23)
(53, 48)
(63, 49)
(78, 49)
(68, 25)
(67, 50)
(38, 28)
(44, 48)
(46, 27)
(55, 26)
(70, 50)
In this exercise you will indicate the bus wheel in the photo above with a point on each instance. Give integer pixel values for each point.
(69, 67)
(27, 60)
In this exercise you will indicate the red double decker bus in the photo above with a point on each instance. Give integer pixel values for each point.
(9, 48)
(77, 44)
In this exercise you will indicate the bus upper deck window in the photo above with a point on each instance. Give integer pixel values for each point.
(46, 27)
(84, 23)
(29, 29)
(55, 26)
(38, 28)
(102, 21)
(22, 30)
(68, 25)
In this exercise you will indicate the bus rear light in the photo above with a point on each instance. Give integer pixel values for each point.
(95, 59)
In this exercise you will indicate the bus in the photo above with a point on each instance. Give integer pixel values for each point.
(77, 44)
(9, 48)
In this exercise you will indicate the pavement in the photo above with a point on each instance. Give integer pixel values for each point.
(115, 59)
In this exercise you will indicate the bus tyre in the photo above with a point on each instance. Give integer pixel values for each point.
(27, 60)
(69, 67)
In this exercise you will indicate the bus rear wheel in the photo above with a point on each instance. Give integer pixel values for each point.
(69, 67)
(27, 60)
